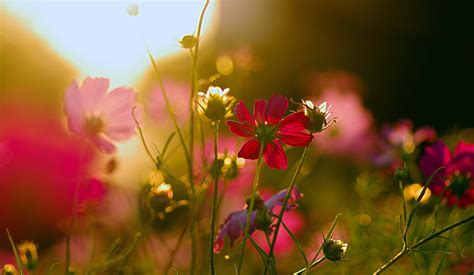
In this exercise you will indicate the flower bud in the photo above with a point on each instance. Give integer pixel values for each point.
(401, 173)
(216, 105)
(188, 41)
(317, 116)
(9, 269)
(28, 252)
(334, 250)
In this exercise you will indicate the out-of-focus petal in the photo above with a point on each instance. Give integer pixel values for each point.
(243, 114)
(240, 129)
(250, 149)
(118, 104)
(275, 156)
(233, 228)
(276, 108)
(278, 199)
(425, 134)
(103, 144)
(463, 149)
(433, 157)
(73, 108)
(259, 109)
(93, 91)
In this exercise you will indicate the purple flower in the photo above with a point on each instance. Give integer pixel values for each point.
(235, 222)
(455, 183)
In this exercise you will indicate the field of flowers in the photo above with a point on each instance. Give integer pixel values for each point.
(192, 173)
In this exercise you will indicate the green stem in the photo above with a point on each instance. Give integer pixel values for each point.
(250, 208)
(306, 269)
(406, 250)
(214, 201)
(285, 201)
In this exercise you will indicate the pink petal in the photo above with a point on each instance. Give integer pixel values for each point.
(103, 144)
(250, 149)
(293, 138)
(243, 114)
(119, 102)
(93, 91)
(259, 111)
(275, 156)
(73, 108)
(240, 129)
(276, 108)
(463, 148)
(123, 127)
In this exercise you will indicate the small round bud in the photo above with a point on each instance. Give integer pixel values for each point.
(9, 269)
(132, 9)
(334, 250)
(216, 105)
(28, 252)
(188, 41)
(401, 173)
(318, 116)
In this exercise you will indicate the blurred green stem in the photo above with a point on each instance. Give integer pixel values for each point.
(250, 208)
(285, 201)
(214, 200)
(313, 264)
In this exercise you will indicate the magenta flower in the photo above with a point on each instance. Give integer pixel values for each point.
(99, 116)
(234, 223)
(455, 183)
(268, 126)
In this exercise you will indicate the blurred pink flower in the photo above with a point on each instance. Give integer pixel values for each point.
(178, 94)
(38, 175)
(100, 116)
(353, 133)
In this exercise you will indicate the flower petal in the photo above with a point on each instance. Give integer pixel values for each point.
(243, 114)
(259, 109)
(93, 91)
(240, 129)
(233, 228)
(103, 144)
(463, 149)
(276, 108)
(433, 157)
(294, 122)
(73, 109)
(275, 156)
(292, 130)
(250, 149)
(278, 199)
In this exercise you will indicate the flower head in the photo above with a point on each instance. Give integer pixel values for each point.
(98, 115)
(267, 127)
(188, 41)
(334, 250)
(318, 116)
(28, 252)
(455, 183)
(9, 269)
(233, 225)
(216, 105)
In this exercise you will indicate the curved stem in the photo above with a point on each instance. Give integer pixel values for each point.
(306, 269)
(285, 201)
(214, 201)
(250, 208)
(405, 250)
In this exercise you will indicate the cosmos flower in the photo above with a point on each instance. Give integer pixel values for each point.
(216, 105)
(235, 222)
(268, 126)
(98, 115)
(455, 183)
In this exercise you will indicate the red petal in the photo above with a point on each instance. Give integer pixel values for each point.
(243, 114)
(294, 122)
(276, 108)
(275, 156)
(463, 148)
(240, 129)
(295, 138)
(250, 149)
(259, 111)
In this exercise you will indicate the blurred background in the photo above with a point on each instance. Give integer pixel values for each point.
(376, 62)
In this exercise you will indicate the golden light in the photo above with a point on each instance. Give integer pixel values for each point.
(412, 191)
(102, 39)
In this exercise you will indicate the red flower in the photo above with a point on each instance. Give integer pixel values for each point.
(268, 126)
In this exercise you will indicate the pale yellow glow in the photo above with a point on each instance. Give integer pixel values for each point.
(101, 39)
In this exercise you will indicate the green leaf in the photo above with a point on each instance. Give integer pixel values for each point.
(15, 251)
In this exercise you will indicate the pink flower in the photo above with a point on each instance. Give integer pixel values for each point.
(456, 182)
(353, 133)
(268, 126)
(178, 94)
(38, 176)
(98, 115)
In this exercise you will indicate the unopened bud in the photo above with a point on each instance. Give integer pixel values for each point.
(334, 250)
(318, 116)
(9, 269)
(28, 252)
(188, 41)
(216, 105)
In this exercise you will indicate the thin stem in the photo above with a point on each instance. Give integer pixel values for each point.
(405, 250)
(285, 201)
(75, 203)
(250, 208)
(214, 200)
(313, 264)
(175, 249)
(142, 137)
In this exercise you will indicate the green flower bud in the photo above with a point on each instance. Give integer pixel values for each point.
(334, 250)
(188, 41)
(318, 116)
(216, 105)
(9, 269)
